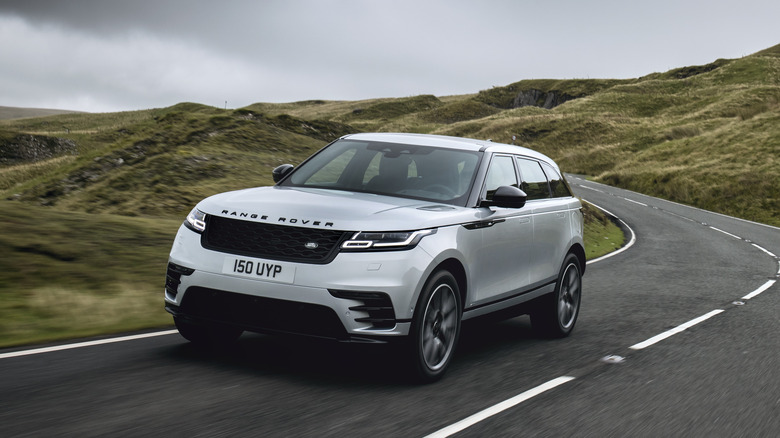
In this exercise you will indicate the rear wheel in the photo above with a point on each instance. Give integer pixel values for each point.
(436, 326)
(555, 314)
(207, 334)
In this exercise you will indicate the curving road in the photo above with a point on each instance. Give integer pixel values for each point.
(678, 336)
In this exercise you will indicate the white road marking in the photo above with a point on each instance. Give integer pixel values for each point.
(591, 188)
(766, 251)
(758, 291)
(84, 344)
(495, 409)
(726, 233)
(674, 331)
(636, 202)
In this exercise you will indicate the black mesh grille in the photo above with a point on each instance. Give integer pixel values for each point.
(270, 241)
(262, 314)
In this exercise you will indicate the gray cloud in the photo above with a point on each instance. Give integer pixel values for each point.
(118, 55)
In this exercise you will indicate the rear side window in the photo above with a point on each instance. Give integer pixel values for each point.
(534, 181)
(557, 184)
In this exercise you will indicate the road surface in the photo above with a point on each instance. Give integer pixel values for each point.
(678, 336)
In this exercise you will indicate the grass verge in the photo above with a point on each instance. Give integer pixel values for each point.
(602, 236)
(68, 274)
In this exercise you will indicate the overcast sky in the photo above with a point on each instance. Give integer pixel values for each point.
(104, 56)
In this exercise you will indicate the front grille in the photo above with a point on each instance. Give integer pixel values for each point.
(270, 241)
(262, 314)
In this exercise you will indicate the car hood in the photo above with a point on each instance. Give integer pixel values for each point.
(335, 209)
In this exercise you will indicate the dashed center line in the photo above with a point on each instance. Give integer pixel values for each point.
(680, 328)
(498, 408)
(758, 291)
(765, 250)
(636, 202)
(591, 188)
(726, 233)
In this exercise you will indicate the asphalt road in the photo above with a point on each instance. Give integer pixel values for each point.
(704, 377)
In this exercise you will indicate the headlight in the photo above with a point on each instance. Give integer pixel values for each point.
(196, 221)
(365, 240)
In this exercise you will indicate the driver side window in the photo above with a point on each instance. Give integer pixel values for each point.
(500, 173)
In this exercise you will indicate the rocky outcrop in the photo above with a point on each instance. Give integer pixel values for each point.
(539, 98)
(27, 148)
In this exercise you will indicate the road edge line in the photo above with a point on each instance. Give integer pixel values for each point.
(625, 247)
(84, 344)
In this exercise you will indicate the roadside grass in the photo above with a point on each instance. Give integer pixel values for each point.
(71, 274)
(601, 235)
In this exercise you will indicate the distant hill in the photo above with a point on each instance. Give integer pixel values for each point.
(705, 135)
(9, 112)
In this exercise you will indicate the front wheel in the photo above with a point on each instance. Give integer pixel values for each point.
(436, 326)
(555, 314)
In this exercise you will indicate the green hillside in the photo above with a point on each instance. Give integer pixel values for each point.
(705, 135)
(154, 162)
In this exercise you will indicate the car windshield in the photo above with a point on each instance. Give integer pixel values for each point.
(419, 172)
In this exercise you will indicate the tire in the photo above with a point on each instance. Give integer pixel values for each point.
(555, 314)
(435, 327)
(207, 335)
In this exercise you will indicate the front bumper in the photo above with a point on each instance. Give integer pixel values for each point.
(359, 296)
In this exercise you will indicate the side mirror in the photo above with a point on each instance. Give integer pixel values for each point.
(507, 197)
(282, 171)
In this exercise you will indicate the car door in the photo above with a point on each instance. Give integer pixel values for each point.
(550, 219)
(501, 265)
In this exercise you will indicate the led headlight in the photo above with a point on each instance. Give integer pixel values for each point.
(196, 221)
(365, 240)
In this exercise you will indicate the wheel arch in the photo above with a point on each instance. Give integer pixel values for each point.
(456, 268)
(579, 252)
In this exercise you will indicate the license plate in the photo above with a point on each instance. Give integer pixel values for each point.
(259, 269)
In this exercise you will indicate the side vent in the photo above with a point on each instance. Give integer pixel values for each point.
(173, 278)
(377, 304)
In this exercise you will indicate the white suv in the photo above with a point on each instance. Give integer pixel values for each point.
(383, 237)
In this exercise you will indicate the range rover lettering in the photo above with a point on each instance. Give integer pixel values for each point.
(384, 238)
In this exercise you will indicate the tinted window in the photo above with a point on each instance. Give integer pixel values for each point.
(420, 172)
(500, 173)
(534, 181)
(557, 184)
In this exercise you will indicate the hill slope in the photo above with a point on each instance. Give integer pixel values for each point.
(702, 135)
(153, 162)
(705, 135)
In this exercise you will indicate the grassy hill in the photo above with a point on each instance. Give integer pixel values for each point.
(705, 135)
